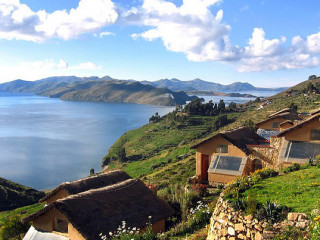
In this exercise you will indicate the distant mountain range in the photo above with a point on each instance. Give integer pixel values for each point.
(103, 89)
(201, 85)
(166, 92)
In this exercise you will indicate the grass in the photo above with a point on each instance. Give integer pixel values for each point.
(23, 211)
(298, 190)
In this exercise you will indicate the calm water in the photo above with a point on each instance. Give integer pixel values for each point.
(45, 141)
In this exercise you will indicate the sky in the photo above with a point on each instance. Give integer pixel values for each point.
(268, 43)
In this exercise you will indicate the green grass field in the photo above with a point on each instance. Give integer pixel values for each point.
(23, 211)
(298, 190)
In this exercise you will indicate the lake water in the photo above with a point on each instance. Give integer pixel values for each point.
(46, 141)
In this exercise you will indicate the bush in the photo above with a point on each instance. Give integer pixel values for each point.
(292, 168)
(272, 212)
(264, 173)
(13, 228)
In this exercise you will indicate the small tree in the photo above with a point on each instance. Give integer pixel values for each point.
(121, 154)
(13, 228)
(91, 171)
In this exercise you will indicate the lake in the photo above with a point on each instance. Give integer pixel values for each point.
(46, 141)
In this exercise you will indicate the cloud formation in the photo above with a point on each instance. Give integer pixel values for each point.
(191, 28)
(18, 21)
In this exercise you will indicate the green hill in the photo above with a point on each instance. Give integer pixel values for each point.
(96, 89)
(155, 150)
(14, 195)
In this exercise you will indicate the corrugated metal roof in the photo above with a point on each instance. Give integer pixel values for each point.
(34, 234)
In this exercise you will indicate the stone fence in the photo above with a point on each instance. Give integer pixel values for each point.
(226, 223)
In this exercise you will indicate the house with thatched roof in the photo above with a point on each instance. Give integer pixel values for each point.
(227, 155)
(273, 121)
(97, 181)
(88, 214)
(300, 141)
(276, 122)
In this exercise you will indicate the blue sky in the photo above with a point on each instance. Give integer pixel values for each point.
(267, 43)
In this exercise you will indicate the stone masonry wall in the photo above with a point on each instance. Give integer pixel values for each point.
(226, 223)
(269, 155)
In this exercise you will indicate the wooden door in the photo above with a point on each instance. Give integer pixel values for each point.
(256, 165)
(204, 167)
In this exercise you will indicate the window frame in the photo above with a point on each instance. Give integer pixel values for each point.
(222, 146)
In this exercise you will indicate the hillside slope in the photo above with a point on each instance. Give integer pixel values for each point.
(14, 195)
(201, 85)
(154, 150)
(103, 89)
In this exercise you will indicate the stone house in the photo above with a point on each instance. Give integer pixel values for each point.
(88, 214)
(227, 155)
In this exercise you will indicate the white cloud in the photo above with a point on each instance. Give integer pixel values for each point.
(191, 29)
(46, 68)
(102, 34)
(86, 66)
(18, 21)
(259, 46)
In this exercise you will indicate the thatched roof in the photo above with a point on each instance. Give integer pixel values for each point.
(285, 122)
(103, 210)
(285, 115)
(299, 125)
(93, 182)
(285, 110)
(240, 137)
(314, 112)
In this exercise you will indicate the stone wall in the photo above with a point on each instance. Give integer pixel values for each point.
(269, 155)
(226, 223)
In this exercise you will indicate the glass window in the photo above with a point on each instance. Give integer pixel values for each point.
(302, 150)
(315, 134)
(222, 149)
(61, 226)
(227, 163)
(275, 124)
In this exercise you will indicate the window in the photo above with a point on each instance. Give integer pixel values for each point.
(61, 226)
(275, 124)
(222, 149)
(227, 163)
(315, 134)
(300, 151)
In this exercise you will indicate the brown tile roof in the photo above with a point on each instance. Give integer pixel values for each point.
(103, 210)
(299, 125)
(240, 137)
(85, 184)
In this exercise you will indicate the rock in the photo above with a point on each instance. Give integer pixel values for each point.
(301, 225)
(302, 217)
(258, 236)
(239, 227)
(292, 216)
(249, 218)
(231, 231)
(258, 227)
(241, 236)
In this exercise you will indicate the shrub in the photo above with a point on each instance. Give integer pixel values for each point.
(264, 173)
(271, 211)
(13, 228)
(292, 168)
